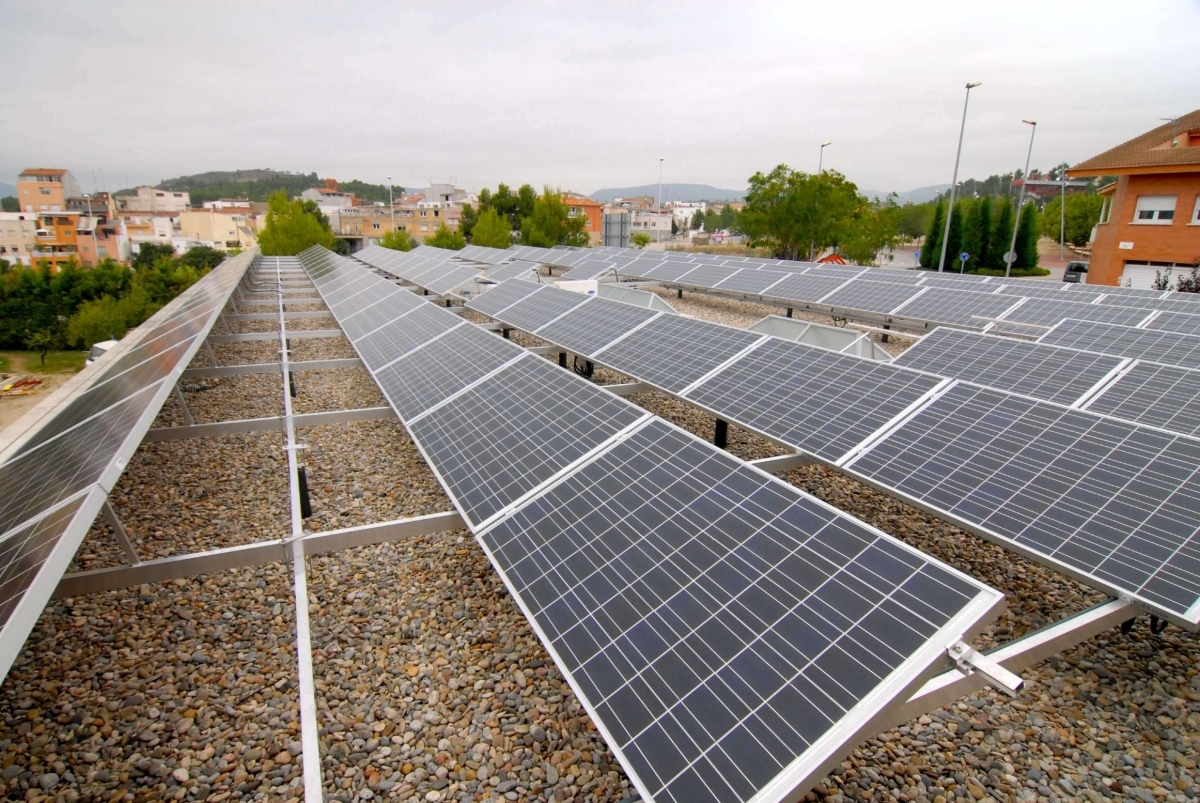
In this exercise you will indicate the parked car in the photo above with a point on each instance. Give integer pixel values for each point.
(1076, 272)
(99, 350)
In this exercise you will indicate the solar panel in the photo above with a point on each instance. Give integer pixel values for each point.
(451, 280)
(501, 438)
(1046, 312)
(1170, 348)
(892, 276)
(1045, 372)
(1104, 500)
(945, 283)
(957, 307)
(402, 335)
(540, 309)
(588, 269)
(518, 267)
(749, 280)
(673, 354)
(806, 288)
(443, 367)
(669, 271)
(594, 325)
(1054, 292)
(502, 296)
(708, 275)
(1176, 322)
(388, 305)
(1165, 396)
(730, 636)
(880, 297)
(819, 401)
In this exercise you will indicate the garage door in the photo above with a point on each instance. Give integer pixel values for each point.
(1140, 276)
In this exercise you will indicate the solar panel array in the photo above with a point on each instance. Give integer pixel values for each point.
(935, 298)
(887, 422)
(435, 270)
(55, 478)
(731, 636)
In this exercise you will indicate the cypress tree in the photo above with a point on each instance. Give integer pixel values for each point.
(954, 240)
(1027, 238)
(934, 238)
(984, 213)
(1001, 234)
(972, 240)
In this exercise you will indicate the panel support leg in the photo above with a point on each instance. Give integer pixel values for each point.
(789, 313)
(562, 359)
(114, 524)
(212, 355)
(506, 332)
(679, 293)
(187, 414)
(884, 337)
(721, 434)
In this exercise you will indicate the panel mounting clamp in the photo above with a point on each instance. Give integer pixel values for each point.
(969, 660)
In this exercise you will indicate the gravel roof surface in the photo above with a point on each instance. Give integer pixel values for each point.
(431, 685)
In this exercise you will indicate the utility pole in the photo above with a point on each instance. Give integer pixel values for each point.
(658, 212)
(1011, 256)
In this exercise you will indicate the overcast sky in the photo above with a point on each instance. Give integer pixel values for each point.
(582, 95)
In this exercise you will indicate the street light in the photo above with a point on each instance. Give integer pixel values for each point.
(812, 246)
(391, 203)
(950, 211)
(1011, 256)
(658, 213)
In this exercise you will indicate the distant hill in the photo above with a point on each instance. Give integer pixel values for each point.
(670, 192)
(258, 184)
(918, 196)
(7, 190)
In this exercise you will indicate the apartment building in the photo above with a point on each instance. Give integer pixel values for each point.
(593, 211)
(150, 199)
(18, 234)
(224, 229)
(1150, 221)
(46, 189)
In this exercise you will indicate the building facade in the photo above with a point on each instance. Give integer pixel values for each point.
(150, 199)
(18, 235)
(592, 211)
(46, 189)
(656, 224)
(225, 230)
(1150, 222)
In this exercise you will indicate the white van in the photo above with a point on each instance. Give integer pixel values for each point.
(100, 349)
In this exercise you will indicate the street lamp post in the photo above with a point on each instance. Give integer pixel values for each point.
(391, 203)
(1011, 256)
(954, 180)
(812, 246)
(658, 213)
(1062, 214)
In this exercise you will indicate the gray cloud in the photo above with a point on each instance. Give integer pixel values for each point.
(581, 95)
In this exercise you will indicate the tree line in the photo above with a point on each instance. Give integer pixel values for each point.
(43, 310)
(982, 228)
(260, 189)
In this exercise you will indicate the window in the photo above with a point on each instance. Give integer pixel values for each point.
(43, 191)
(1155, 209)
(374, 225)
(1196, 213)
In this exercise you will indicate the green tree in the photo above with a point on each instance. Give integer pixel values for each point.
(640, 239)
(397, 240)
(868, 229)
(445, 238)
(10, 204)
(202, 258)
(915, 219)
(549, 224)
(1002, 227)
(492, 230)
(698, 220)
(290, 229)
(95, 321)
(1083, 212)
(728, 217)
(953, 245)
(933, 242)
(149, 253)
(674, 227)
(1028, 233)
(790, 212)
(712, 221)
(467, 217)
(977, 231)
(44, 341)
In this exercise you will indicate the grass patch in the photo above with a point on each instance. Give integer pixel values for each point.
(31, 362)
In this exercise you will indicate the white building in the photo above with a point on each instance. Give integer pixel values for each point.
(149, 199)
(18, 236)
(684, 211)
(656, 224)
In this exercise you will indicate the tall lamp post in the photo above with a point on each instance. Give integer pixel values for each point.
(1062, 214)
(658, 212)
(1011, 256)
(812, 246)
(391, 203)
(954, 181)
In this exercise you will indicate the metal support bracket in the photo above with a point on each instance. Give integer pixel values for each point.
(969, 660)
(114, 524)
(212, 356)
(187, 414)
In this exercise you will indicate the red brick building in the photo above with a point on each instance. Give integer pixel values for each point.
(1151, 216)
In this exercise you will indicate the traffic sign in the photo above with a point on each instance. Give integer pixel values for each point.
(964, 256)
(917, 254)
(1010, 257)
